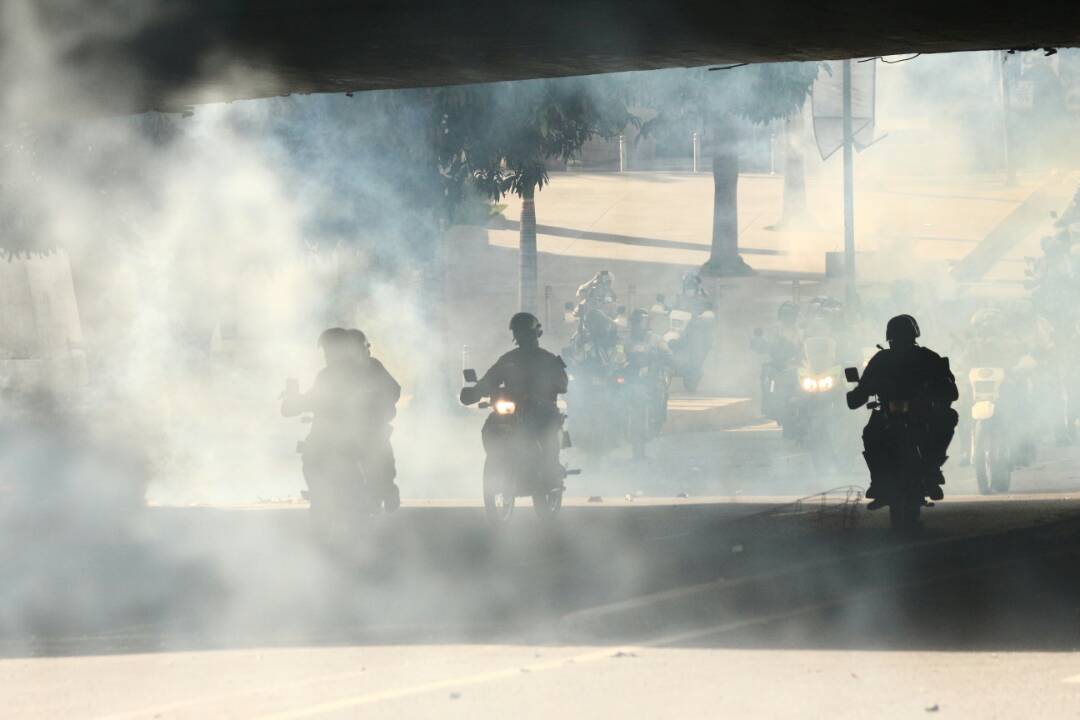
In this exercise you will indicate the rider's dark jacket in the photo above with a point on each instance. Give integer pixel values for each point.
(906, 373)
(532, 377)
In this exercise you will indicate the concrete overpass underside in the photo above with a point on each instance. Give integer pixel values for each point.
(130, 55)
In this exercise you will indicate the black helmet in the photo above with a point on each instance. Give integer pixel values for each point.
(358, 338)
(333, 337)
(639, 317)
(527, 324)
(902, 328)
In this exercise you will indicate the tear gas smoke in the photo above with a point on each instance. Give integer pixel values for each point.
(206, 253)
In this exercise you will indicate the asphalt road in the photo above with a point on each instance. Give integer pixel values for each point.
(639, 607)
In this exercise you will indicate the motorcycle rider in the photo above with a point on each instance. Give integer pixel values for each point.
(352, 401)
(639, 336)
(645, 351)
(781, 343)
(379, 396)
(597, 292)
(533, 378)
(597, 333)
(907, 372)
(692, 297)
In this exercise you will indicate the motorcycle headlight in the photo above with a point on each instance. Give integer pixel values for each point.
(825, 384)
(809, 384)
(505, 407)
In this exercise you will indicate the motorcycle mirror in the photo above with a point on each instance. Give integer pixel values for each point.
(470, 375)
(852, 374)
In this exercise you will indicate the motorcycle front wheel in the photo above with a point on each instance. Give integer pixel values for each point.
(904, 514)
(547, 505)
(992, 471)
(498, 498)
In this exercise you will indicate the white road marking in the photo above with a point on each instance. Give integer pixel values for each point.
(1074, 680)
(606, 653)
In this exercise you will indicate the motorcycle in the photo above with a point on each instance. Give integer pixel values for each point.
(338, 493)
(689, 335)
(592, 401)
(643, 387)
(815, 415)
(592, 367)
(904, 489)
(779, 379)
(996, 448)
(515, 463)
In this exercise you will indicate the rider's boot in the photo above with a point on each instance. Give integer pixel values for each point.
(874, 490)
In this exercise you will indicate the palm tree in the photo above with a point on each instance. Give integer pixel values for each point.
(715, 101)
(515, 129)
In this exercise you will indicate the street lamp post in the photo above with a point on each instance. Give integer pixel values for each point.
(849, 194)
(1010, 168)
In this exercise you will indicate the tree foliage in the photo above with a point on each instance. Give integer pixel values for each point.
(759, 93)
(502, 135)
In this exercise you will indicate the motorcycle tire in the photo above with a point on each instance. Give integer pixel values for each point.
(547, 505)
(1000, 475)
(691, 380)
(498, 502)
(904, 515)
(982, 457)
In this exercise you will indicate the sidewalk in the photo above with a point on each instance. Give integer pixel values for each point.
(666, 218)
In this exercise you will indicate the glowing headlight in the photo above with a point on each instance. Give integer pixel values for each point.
(809, 384)
(825, 383)
(505, 407)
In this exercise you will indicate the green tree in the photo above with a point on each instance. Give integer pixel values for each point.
(713, 102)
(506, 133)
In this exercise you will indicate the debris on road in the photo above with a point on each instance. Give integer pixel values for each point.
(455, 696)
(623, 654)
(933, 708)
(595, 499)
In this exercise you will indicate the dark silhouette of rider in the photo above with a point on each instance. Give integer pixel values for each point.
(533, 378)
(918, 380)
(352, 402)
(379, 393)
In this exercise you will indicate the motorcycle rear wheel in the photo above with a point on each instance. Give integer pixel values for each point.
(498, 501)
